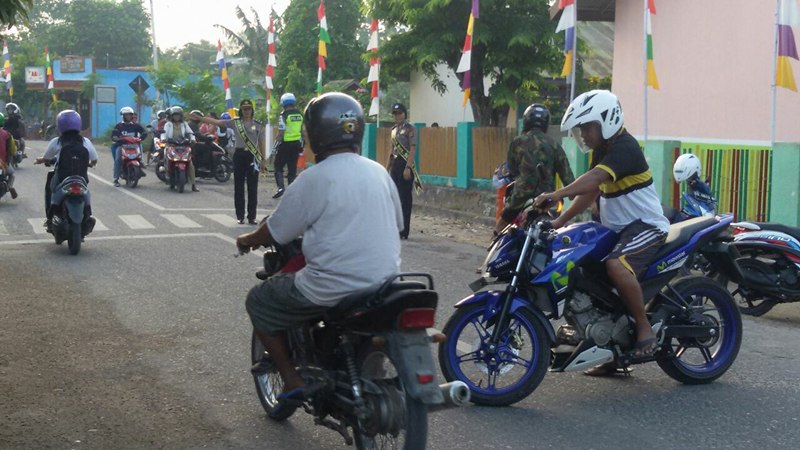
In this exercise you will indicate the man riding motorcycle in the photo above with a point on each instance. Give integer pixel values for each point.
(330, 208)
(8, 147)
(156, 126)
(14, 125)
(176, 129)
(629, 204)
(127, 127)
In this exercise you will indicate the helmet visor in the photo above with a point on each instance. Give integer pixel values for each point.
(578, 136)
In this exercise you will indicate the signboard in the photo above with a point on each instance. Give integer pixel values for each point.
(139, 85)
(34, 75)
(72, 64)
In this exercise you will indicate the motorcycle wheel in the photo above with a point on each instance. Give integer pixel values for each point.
(409, 431)
(703, 360)
(751, 302)
(269, 385)
(161, 172)
(223, 172)
(74, 238)
(180, 180)
(133, 176)
(464, 356)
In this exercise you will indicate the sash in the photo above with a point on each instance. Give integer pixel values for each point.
(403, 152)
(251, 147)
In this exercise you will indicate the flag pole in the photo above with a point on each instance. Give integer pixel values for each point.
(644, 65)
(773, 117)
(574, 53)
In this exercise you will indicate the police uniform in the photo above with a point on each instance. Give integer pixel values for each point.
(525, 153)
(291, 123)
(406, 135)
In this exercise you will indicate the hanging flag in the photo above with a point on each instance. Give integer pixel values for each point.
(374, 67)
(7, 70)
(226, 85)
(788, 17)
(272, 62)
(49, 70)
(465, 64)
(652, 80)
(567, 25)
(324, 39)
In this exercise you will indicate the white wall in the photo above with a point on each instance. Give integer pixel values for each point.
(428, 106)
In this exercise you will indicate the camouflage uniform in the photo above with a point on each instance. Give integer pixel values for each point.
(524, 154)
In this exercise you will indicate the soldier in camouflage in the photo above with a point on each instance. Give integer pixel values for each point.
(527, 151)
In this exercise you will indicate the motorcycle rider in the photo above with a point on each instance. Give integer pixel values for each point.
(176, 129)
(225, 134)
(289, 141)
(629, 204)
(15, 125)
(156, 125)
(127, 127)
(8, 147)
(525, 153)
(68, 123)
(328, 205)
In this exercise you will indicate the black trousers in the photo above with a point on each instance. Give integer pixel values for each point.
(404, 188)
(287, 156)
(243, 171)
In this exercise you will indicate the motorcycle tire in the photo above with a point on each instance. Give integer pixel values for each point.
(223, 172)
(74, 238)
(717, 354)
(133, 176)
(180, 180)
(377, 365)
(752, 303)
(268, 385)
(471, 318)
(161, 173)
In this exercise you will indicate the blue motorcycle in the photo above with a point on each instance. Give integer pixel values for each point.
(71, 219)
(501, 342)
(698, 201)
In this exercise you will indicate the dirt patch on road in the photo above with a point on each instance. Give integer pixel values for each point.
(467, 232)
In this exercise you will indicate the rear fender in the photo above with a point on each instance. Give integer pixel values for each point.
(491, 302)
(413, 359)
(75, 209)
(722, 256)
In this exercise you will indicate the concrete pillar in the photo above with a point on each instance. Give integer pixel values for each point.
(784, 204)
(419, 126)
(463, 154)
(659, 155)
(369, 144)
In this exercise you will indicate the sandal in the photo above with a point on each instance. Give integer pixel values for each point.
(608, 370)
(645, 348)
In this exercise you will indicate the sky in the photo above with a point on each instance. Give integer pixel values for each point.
(179, 22)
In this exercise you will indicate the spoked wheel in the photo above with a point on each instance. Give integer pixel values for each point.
(396, 421)
(750, 301)
(501, 378)
(268, 385)
(703, 360)
(222, 172)
(161, 171)
(74, 238)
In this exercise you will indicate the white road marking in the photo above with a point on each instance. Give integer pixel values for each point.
(38, 225)
(181, 221)
(137, 222)
(128, 193)
(98, 226)
(223, 219)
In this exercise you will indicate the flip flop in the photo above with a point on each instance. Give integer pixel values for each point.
(608, 370)
(641, 346)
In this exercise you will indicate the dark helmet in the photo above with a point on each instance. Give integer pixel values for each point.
(333, 120)
(536, 116)
(68, 120)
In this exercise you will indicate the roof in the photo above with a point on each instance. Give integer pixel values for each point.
(344, 85)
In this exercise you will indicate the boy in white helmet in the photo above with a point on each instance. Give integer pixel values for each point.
(629, 205)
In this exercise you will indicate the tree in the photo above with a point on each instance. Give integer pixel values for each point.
(514, 45)
(201, 93)
(194, 57)
(14, 11)
(251, 42)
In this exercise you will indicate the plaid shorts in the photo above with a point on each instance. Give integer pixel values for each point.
(638, 243)
(276, 305)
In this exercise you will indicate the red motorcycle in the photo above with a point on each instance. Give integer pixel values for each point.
(131, 154)
(179, 155)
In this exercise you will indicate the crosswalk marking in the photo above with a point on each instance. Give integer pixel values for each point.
(181, 221)
(38, 225)
(137, 222)
(223, 219)
(98, 226)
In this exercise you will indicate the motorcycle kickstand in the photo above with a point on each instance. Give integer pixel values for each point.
(339, 427)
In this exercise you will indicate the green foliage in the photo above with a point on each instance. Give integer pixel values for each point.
(87, 86)
(514, 44)
(58, 106)
(193, 57)
(251, 41)
(201, 93)
(13, 12)
(167, 78)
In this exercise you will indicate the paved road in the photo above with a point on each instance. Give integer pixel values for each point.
(141, 341)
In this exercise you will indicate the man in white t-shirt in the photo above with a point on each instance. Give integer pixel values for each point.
(348, 212)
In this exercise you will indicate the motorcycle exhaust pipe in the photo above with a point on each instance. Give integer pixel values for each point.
(456, 394)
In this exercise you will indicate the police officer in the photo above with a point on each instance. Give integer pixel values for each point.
(289, 141)
(401, 161)
(527, 151)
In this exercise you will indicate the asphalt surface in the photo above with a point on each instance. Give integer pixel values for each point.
(142, 341)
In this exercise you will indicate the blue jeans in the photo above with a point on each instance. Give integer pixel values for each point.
(116, 154)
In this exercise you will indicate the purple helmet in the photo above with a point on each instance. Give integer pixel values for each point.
(225, 116)
(68, 120)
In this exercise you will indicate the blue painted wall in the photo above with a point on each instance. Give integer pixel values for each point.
(106, 115)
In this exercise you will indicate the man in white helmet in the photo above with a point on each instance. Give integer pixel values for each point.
(629, 205)
(126, 127)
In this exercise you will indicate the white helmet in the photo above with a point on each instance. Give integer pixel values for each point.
(599, 106)
(288, 99)
(685, 167)
(126, 110)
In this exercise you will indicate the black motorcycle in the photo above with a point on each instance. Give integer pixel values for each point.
(211, 161)
(20, 155)
(367, 363)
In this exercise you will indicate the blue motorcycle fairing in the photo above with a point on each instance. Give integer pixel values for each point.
(677, 258)
(492, 308)
(74, 203)
(506, 253)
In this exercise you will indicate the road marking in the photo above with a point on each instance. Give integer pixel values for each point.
(137, 222)
(181, 221)
(128, 193)
(3, 230)
(98, 226)
(223, 219)
(38, 225)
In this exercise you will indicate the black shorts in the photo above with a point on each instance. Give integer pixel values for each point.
(638, 243)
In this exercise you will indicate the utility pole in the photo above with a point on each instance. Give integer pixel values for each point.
(155, 47)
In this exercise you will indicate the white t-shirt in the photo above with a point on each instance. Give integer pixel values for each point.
(348, 212)
(54, 149)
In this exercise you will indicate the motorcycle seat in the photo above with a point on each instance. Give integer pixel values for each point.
(781, 228)
(356, 305)
(681, 232)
